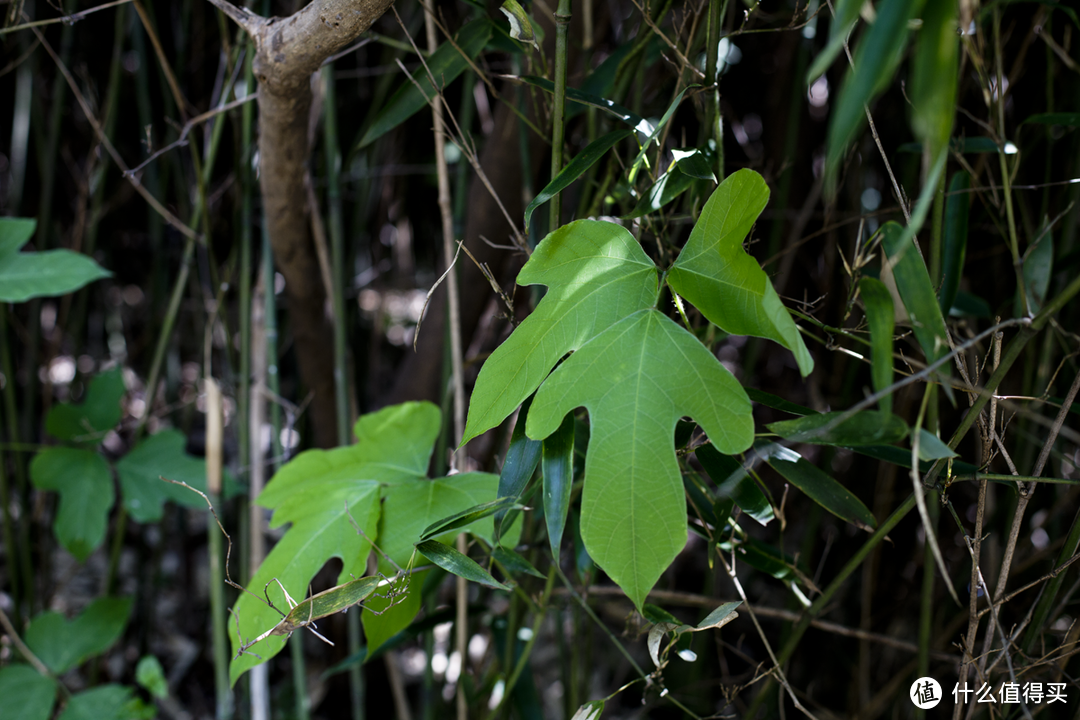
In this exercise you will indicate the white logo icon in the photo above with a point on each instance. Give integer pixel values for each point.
(925, 693)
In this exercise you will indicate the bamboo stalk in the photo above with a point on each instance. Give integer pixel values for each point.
(214, 462)
(558, 113)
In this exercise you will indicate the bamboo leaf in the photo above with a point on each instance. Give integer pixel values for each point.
(656, 131)
(881, 317)
(735, 483)
(455, 562)
(1037, 270)
(521, 27)
(867, 427)
(917, 292)
(558, 471)
(514, 562)
(846, 13)
(934, 75)
(821, 488)
(446, 63)
(671, 185)
(575, 169)
(522, 457)
(957, 208)
(1066, 119)
(469, 516)
(585, 97)
(932, 448)
(727, 285)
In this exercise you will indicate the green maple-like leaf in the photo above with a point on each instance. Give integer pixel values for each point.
(725, 283)
(597, 274)
(311, 492)
(85, 485)
(637, 378)
(87, 422)
(62, 644)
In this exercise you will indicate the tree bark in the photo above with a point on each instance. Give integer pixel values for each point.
(287, 52)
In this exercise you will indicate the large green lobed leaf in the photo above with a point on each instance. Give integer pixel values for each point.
(637, 379)
(27, 694)
(597, 274)
(87, 422)
(63, 645)
(85, 485)
(725, 283)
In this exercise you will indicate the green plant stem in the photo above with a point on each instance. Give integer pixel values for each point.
(558, 114)
(714, 122)
(20, 561)
(1006, 179)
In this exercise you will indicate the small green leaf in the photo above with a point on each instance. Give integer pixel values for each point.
(85, 484)
(880, 51)
(735, 483)
(558, 471)
(454, 562)
(726, 284)
(50, 273)
(932, 448)
(107, 702)
(778, 403)
(522, 457)
(881, 317)
(27, 694)
(1038, 265)
(719, 617)
(763, 557)
(150, 675)
(14, 233)
(934, 75)
(867, 427)
(955, 231)
(597, 274)
(633, 508)
(446, 63)
(671, 185)
(100, 410)
(917, 292)
(521, 27)
(694, 163)
(469, 516)
(63, 645)
(575, 169)
(1066, 119)
(163, 455)
(656, 131)
(821, 488)
(514, 562)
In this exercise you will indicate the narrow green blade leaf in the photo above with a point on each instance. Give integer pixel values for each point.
(469, 516)
(821, 488)
(28, 695)
(633, 516)
(735, 483)
(719, 616)
(881, 317)
(917, 292)
(14, 233)
(446, 63)
(63, 645)
(777, 403)
(726, 284)
(522, 457)
(514, 562)
(575, 169)
(87, 422)
(46, 274)
(955, 231)
(454, 562)
(1037, 270)
(867, 427)
(521, 27)
(763, 557)
(846, 13)
(656, 131)
(583, 97)
(1066, 119)
(671, 185)
(85, 484)
(694, 163)
(879, 52)
(932, 448)
(934, 75)
(597, 274)
(558, 480)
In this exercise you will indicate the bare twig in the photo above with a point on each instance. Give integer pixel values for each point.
(65, 19)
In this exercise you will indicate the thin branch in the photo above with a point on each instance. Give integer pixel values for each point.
(65, 19)
(243, 17)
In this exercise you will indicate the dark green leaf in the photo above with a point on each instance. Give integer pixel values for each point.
(656, 131)
(558, 471)
(522, 457)
(26, 693)
(821, 488)
(881, 317)
(867, 427)
(1038, 265)
(735, 483)
(657, 614)
(762, 556)
(50, 273)
(670, 185)
(107, 702)
(777, 403)
(575, 169)
(454, 562)
(14, 233)
(150, 675)
(62, 645)
(726, 284)
(969, 305)
(694, 163)
(955, 232)
(934, 75)
(701, 502)
(917, 292)
(100, 410)
(964, 146)
(468, 516)
(902, 458)
(879, 52)
(1067, 119)
(85, 484)
(931, 447)
(631, 118)
(514, 562)
(162, 455)
(446, 63)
